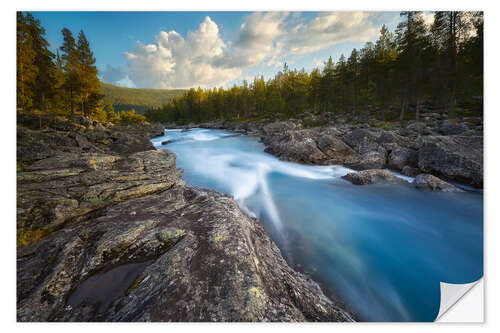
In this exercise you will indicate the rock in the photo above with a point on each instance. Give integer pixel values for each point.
(203, 253)
(278, 127)
(180, 253)
(456, 157)
(368, 160)
(371, 155)
(361, 141)
(409, 171)
(453, 128)
(309, 146)
(400, 157)
(390, 140)
(372, 177)
(418, 127)
(429, 182)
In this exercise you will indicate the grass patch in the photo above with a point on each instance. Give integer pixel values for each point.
(29, 236)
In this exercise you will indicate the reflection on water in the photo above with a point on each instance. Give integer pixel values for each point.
(383, 249)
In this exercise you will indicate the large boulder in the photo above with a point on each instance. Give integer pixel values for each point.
(371, 155)
(456, 157)
(372, 177)
(453, 128)
(400, 157)
(391, 140)
(278, 127)
(410, 171)
(310, 146)
(433, 183)
(185, 254)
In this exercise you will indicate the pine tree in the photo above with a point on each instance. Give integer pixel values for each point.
(353, 75)
(450, 30)
(87, 76)
(340, 78)
(410, 36)
(386, 54)
(26, 70)
(43, 85)
(327, 84)
(70, 64)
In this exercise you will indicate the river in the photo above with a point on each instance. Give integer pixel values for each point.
(382, 249)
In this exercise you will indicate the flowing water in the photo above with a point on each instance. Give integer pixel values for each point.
(382, 249)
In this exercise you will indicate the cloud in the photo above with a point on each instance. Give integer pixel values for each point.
(328, 29)
(113, 74)
(175, 62)
(203, 59)
(260, 38)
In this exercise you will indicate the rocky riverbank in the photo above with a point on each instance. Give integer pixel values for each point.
(451, 150)
(108, 231)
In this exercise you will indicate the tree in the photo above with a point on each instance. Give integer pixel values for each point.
(111, 116)
(410, 41)
(327, 84)
(43, 86)
(385, 58)
(26, 69)
(87, 76)
(352, 77)
(70, 65)
(451, 29)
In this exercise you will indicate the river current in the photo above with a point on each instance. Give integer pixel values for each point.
(382, 249)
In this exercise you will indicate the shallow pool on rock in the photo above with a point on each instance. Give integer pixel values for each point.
(383, 249)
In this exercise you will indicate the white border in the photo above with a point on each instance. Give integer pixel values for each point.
(8, 135)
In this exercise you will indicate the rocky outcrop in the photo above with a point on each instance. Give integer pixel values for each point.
(409, 171)
(119, 237)
(456, 157)
(433, 183)
(362, 148)
(372, 177)
(401, 157)
(310, 147)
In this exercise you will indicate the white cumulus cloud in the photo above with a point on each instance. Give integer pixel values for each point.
(175, 62)
(332, 28)
(203, 59)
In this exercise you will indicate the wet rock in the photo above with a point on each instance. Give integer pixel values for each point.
(456, 157)
(101, 209)
(418, 127)
(401, 157)
(410, 171)
(433, 183)
(453, 128)
(372, 177)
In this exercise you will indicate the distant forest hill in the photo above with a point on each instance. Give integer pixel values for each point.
(139, 99)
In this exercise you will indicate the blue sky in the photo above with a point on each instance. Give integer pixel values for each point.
(190, 49)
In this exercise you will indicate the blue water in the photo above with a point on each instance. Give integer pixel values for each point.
(382, 249)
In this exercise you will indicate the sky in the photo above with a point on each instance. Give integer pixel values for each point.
(212, 49)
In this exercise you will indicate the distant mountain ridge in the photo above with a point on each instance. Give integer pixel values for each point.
(139, 99)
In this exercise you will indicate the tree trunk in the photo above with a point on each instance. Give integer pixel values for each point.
(403, 107)
(417, 110)
(71, 101)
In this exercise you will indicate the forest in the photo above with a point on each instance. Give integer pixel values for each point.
(65, 83)
(139, 99)
(440, 64)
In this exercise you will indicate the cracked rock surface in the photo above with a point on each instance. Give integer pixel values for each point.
(114, 217)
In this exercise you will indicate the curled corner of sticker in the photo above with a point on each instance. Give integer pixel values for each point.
(451, 293)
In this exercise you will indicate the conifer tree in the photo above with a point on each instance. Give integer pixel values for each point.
(87, 76)
(70, 64)
(26, 70)
(43, 86)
